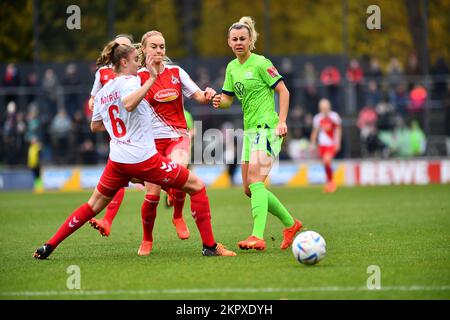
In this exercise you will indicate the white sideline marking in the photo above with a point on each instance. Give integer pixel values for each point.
(218, 290)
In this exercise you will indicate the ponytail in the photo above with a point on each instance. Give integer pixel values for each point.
(105, 56)
(249, 24)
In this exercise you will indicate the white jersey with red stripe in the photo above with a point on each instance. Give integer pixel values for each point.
(327, 125)
(131, 132)
(166, 100)
(102, 76)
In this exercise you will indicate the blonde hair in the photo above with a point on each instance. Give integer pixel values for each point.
(248, 23)
(140, 53)
(148, 34)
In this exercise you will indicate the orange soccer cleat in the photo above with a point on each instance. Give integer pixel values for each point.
(252, 242)
(289, 234)
(182, 229)
(145, 248)
(102, 226)
(330, 187)
(220, 250)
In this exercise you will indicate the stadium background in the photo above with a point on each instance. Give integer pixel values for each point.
(380, 81)
(391, 87)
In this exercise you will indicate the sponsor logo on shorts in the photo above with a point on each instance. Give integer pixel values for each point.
(166, 95)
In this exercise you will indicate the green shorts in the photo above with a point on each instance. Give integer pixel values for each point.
(260, 139)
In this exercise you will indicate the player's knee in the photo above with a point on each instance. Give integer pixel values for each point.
(193, 184)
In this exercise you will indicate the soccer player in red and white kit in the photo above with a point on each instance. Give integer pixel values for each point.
(120, 109)
(327, 132)
(103, 75)
(169, 128)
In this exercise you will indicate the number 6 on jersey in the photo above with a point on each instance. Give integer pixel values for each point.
(116, 122)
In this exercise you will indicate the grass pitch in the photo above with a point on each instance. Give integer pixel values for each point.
(404, 230)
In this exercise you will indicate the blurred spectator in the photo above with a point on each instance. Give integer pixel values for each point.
(10, 135)
(401, 139)
(88, 153)
(11, 79)
(34, 162)
(21, 141)
(310, 91)
(217, 84)
(331, 79)
(373, 95)
(287, 71)
(202, 76)
(386, 116)
(60, 131)
(417, 99)
(50, 84)
(31, 83)
(355, 76)
(418, 140)
(298, 147)
(33, 123)
(395, 74)
(71, 79)
(374, 71)
(80, 132)
(399, 99)
(439, 72)
(447, 118)
(413, 69)
(371, 144)
(299, 118)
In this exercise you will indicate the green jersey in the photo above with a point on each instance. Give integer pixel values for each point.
(253, 84)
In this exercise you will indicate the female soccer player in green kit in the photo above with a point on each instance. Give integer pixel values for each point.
(253, 79)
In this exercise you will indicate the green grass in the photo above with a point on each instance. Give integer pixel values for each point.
(405, 230)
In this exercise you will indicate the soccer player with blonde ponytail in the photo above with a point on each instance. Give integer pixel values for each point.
(253, 80)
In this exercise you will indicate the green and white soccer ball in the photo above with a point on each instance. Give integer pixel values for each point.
(309, 247)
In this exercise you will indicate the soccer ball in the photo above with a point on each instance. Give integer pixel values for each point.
(309, 247)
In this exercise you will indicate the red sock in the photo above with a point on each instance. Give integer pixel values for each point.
(148, 214)
(79, 217)
(114, 205)
(178, 203)
(329, 172)
(202, 216)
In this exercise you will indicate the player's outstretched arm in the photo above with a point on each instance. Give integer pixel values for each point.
(204, 97)
(222, 101)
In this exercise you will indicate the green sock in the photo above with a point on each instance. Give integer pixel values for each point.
(276, 208)
(259, 208)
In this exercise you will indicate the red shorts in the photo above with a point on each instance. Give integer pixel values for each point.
(157, 170)
(165, 146)
(323, 150)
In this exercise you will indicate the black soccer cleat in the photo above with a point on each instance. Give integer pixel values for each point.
(43, 252)
(218, 250)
